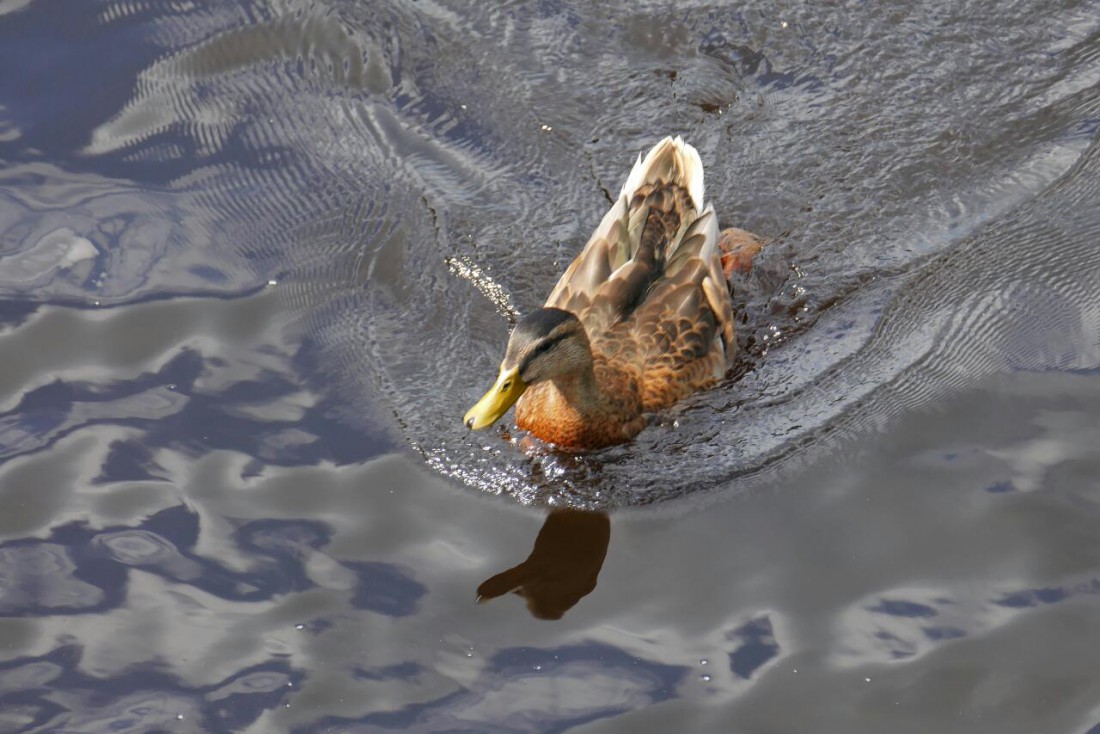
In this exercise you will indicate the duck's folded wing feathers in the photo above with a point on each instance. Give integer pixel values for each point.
(693, 289)
(611, 275)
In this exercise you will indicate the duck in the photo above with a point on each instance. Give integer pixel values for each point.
(641, 319)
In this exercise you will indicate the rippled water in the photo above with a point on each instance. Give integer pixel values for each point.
(256, 260)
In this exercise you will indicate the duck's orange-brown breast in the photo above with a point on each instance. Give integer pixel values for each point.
(553, 412)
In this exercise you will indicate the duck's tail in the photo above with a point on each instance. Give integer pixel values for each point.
(656, 227)
(669, 161)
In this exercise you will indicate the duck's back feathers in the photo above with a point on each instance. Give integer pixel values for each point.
(649, 286)
(669, 180)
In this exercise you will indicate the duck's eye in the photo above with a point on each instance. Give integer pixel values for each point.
(544, 347)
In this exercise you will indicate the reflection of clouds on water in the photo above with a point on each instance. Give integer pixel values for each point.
(147, 370)
(902, 624)
(29, 429)
(335, 570)
(197, 534)
(145, 549)
(61, 249)
(1062, 436)
(134, 713)
(276, 592)
(756, 647)
(38, 579)
(229, 602)
(28, 675)
(54, 691)
(526, 690)
(199, 599)
(82, 238)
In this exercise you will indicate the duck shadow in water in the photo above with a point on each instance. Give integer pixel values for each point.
(562, 568)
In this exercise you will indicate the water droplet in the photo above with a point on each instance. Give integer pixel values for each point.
(703, 661)
(867, 679)
(705, 678)
(179, 717)
(273, 282)
(299, 626)
(538, 667)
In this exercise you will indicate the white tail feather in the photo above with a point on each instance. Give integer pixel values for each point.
(686, 170)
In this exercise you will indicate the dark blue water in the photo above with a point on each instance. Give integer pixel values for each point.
(256, 260)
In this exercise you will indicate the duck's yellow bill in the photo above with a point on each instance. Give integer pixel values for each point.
(497, 401)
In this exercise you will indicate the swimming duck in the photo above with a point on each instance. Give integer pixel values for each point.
(641, 319)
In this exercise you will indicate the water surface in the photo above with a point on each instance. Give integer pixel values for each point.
(257, 259)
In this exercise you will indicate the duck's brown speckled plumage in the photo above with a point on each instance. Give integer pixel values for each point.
(651, 291)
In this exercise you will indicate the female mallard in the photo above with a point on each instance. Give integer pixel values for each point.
(641, 319)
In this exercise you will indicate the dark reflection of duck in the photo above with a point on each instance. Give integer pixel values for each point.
(562, 567)
(641, 319)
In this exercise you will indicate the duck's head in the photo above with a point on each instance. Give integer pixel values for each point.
(547, 344)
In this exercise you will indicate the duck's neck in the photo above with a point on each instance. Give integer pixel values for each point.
(581, 392)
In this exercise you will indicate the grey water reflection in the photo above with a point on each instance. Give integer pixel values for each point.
(237, 331)
(562, 567)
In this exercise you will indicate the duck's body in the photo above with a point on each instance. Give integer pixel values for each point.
(640, 319)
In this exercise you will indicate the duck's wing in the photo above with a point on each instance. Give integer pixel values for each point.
(684, 330)
(607, 279)
(637, 240)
